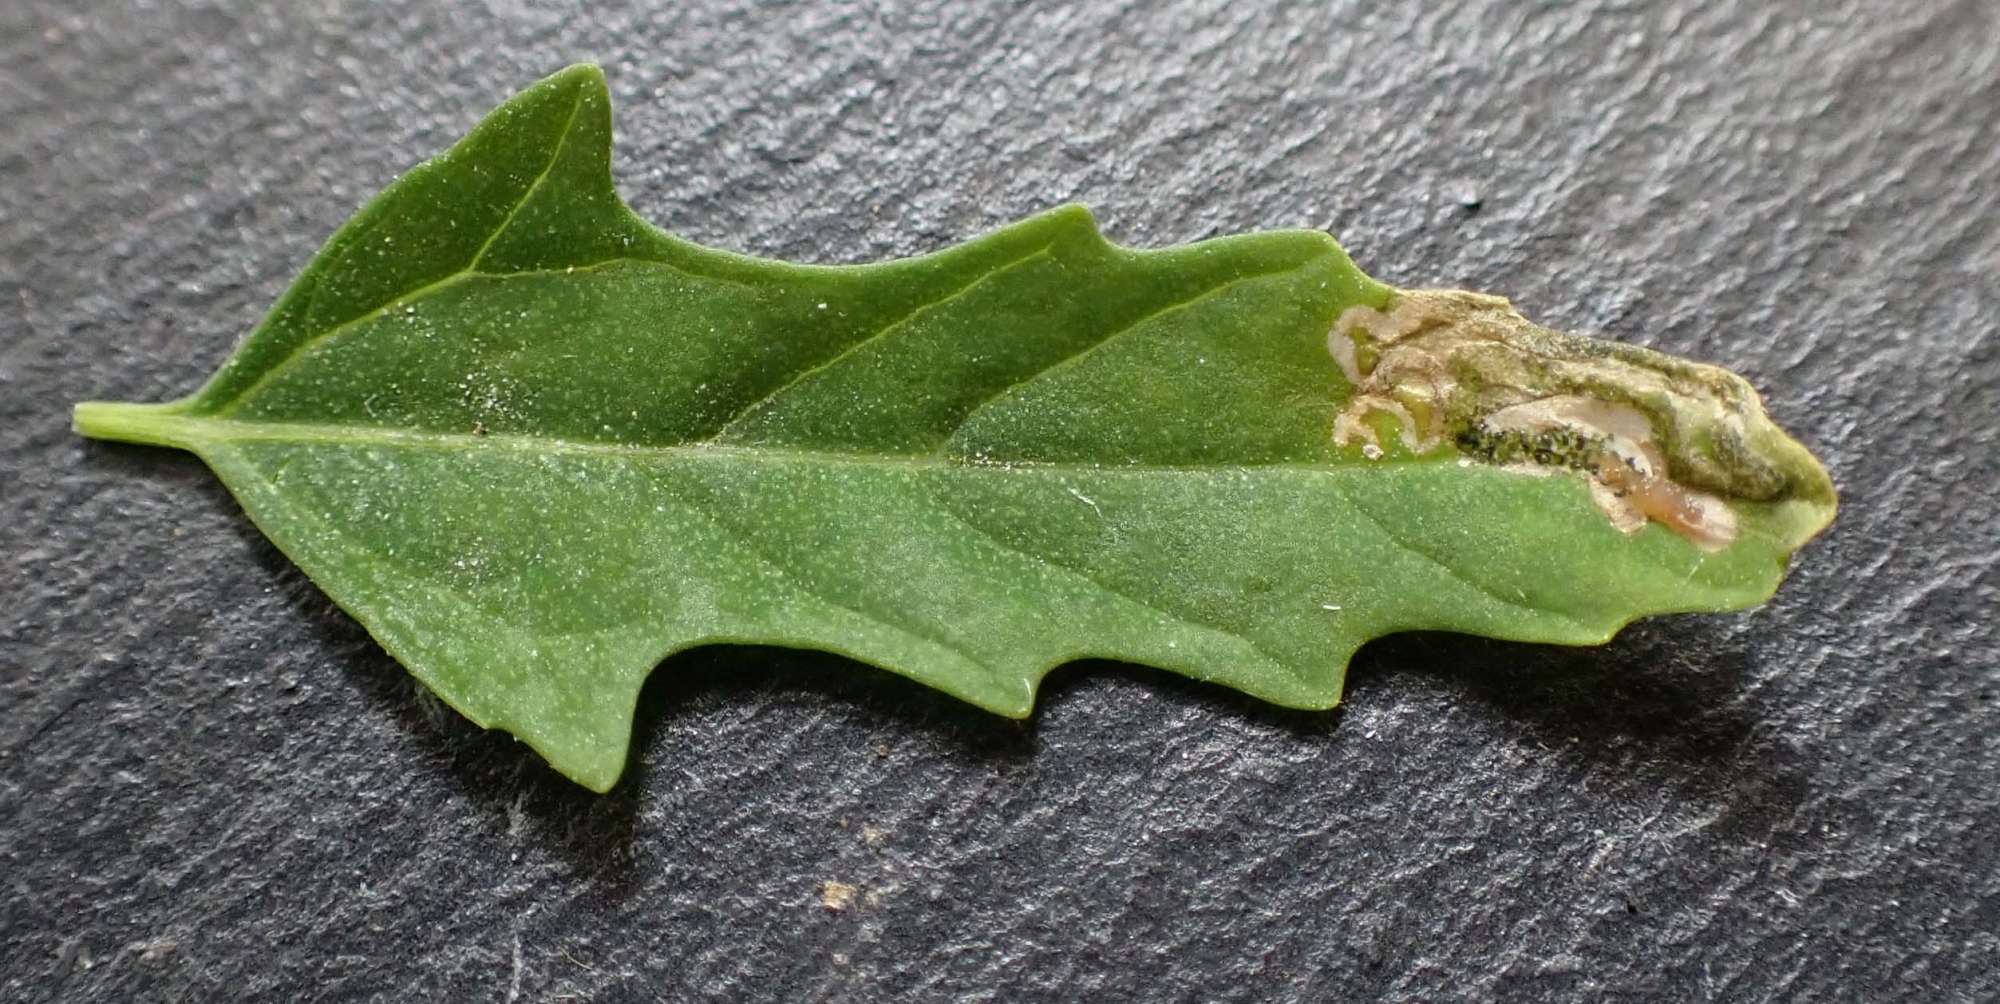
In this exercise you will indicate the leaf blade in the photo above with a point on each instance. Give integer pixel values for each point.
(535, 473)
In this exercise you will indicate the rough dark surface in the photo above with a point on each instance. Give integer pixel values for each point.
(214, 787)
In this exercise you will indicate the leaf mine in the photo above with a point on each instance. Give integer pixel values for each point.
(1655, 437)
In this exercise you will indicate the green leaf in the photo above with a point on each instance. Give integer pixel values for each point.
(535, 445)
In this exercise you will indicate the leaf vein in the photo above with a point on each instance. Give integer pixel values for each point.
(199, 429)
(528, 196)
(1450, 570)
(1052, 563)
(743, 413)
(410, 296)
(411, 299)
(704, 510)
(1073, 358)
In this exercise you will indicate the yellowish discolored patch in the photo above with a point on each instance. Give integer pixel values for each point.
(1657, 438)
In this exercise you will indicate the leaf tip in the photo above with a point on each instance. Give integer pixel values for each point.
(1071, 220)
(586, 76)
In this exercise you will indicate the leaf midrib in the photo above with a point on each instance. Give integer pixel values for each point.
(153, 424)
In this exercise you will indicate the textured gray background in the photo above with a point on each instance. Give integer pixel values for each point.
(214, 787)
